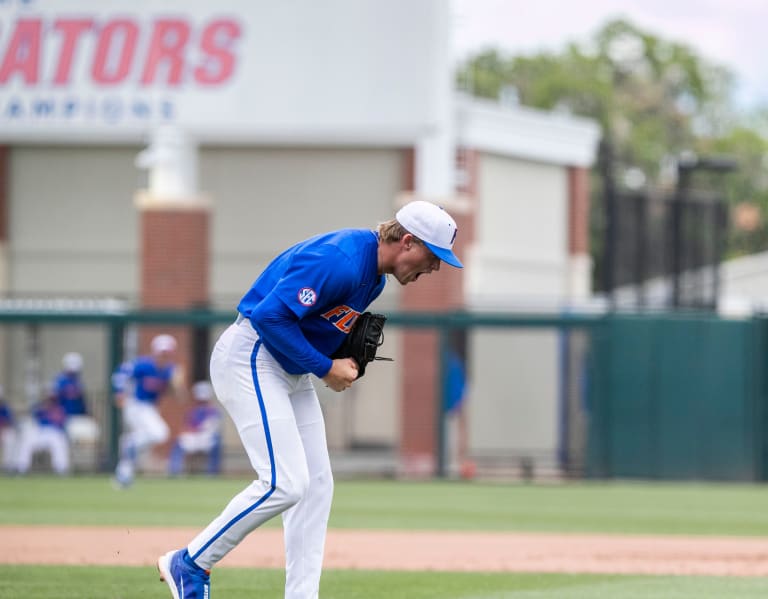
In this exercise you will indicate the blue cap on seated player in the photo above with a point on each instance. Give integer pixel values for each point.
(432, 225)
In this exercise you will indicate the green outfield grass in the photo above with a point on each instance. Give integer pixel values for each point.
(698, 509)
(653, 508)
(50, 582)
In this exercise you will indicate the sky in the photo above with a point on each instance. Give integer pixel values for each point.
(731, 33)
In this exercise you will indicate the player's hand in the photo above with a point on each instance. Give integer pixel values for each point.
(342, 374)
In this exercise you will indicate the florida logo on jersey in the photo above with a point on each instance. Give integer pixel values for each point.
(342, 317)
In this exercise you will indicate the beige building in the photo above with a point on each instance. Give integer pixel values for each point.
(292, 119)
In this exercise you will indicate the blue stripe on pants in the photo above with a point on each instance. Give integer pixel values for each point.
(273, 481)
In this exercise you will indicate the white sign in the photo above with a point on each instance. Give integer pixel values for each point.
(228, 70)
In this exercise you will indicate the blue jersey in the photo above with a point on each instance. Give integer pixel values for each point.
(149, 380)
(202, 417)
(70, 393)
(306, 301)
(50, 413)
(6, 415)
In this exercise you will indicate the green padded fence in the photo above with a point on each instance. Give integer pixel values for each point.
(676, 397)
(668, 396)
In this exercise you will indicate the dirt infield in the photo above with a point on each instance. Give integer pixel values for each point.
(388, 550)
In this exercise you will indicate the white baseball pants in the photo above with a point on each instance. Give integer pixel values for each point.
(144, 424)
(144, 427)
(8, 441)
(34, 438)
(281, 425)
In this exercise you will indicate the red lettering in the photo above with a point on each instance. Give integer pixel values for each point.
(170, 54)
(168, 40)
(336, 312)
(71, 30)
(112, 62)
(216, 43)
(345, 324)
(23, 52)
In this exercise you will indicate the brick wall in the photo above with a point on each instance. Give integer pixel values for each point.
(578, 210)
(174, 274)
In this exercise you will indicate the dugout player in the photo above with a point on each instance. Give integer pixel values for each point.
(138, 387)
(68, 385)
(201, 434)
(8, 434)
(296, 314)
(44, 431)
(69, 388)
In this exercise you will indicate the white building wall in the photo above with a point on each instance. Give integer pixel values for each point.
(744, 285)
(520, 252)
(264, 199)
(519, 261)
(258, 71)
(513, 407)
(73, 225)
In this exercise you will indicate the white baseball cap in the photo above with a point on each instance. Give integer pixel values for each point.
(202, 391)
(162, 343)
(72, 362)
(432, 225)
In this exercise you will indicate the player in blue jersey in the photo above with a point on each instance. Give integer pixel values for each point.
(8, 434)
(138, 386)
(202, 432)
(69, 387)
(293, 318)
(44, 431)
(70, 391)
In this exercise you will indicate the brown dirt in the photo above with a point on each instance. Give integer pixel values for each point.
(388, 550)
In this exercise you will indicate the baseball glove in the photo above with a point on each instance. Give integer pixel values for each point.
(363, 341)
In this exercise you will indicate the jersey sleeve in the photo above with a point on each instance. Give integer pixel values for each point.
(316, 277)
(278, 325)
(121, 377)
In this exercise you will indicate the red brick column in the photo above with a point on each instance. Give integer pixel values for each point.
(579, 262)
(439, 292)
(174, 275)
(578, 210)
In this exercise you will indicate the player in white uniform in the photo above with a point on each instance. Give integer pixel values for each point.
(44, 431)
(8, 434)
(138, 387)
(293, 318)
(202, 433)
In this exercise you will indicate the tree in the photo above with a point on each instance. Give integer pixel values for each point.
(653, 98)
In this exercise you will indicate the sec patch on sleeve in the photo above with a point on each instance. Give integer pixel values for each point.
(307, 296)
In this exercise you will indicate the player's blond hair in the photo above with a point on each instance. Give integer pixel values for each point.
(391, 230)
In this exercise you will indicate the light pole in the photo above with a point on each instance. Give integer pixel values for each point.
(688, 164)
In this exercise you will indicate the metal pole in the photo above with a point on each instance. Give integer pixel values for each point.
(609, 239)
(441, 449)
(116, 333)
(33, 386)
(641, 247)
(720, 225)
(678, 202)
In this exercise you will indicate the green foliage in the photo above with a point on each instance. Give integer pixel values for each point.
(654, 99)
(748, 187)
